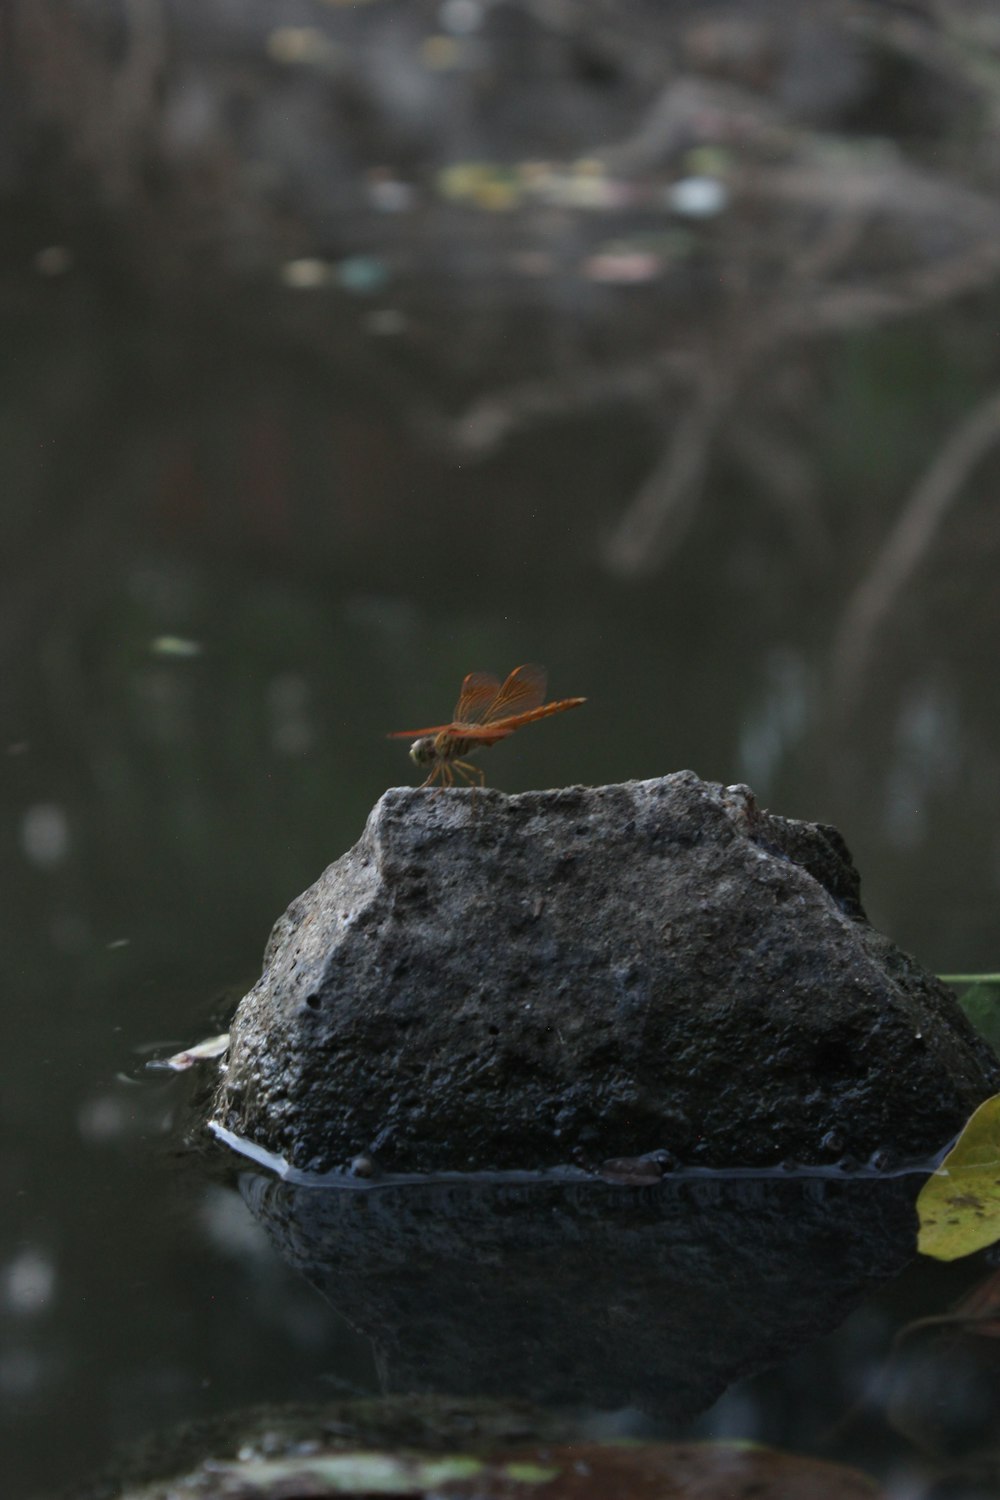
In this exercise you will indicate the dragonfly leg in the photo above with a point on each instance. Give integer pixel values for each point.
(474, 775)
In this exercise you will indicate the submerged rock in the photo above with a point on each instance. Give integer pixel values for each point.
(491, 981)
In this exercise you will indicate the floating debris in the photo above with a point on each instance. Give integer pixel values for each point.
(637, 1171)
(213, 1046)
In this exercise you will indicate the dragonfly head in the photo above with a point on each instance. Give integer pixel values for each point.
(422, 751)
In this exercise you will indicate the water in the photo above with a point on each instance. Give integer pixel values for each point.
(249, 526)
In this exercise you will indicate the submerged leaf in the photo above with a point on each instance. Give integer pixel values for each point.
(959, 1206)
(354, 1474)
(557, 1471)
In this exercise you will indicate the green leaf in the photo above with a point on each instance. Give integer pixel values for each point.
(959, 1206)
(979, 997)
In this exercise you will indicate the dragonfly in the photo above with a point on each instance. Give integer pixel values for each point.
(487, 711)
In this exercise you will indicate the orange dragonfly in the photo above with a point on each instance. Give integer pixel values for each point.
(485, 713)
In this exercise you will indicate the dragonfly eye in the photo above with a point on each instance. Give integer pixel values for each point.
(422, 751)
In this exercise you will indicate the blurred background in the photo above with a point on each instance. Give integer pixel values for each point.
(348, 347)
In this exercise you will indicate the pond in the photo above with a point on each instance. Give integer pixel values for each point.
(273, 485)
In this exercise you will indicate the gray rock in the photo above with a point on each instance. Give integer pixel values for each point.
(487, 981)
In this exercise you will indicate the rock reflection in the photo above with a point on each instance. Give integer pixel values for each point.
(587, 1292)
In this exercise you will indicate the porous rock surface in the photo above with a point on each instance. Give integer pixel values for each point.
(491, 981)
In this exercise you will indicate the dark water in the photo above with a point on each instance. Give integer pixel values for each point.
(240, 539)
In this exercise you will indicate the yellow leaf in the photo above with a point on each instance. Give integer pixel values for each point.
(959, 1206)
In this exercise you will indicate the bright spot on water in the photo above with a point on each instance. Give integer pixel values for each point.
(229, 1226)
(624, 266)
(440, 53)
(288, 700)
(22, 1371)
(362, 274)
(45, 834)
(102, 1119)
(460, 16)
(302, 45)
(698, 197)
(777, 720)
(925, 757)
(69, 932)
(53, 260)
(27, 1282)
(386, 322)
(174, 645)
(307, 274)
(390, 195)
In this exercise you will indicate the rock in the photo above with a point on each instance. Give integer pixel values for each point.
(516, 982)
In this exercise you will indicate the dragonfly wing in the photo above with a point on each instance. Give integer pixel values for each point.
(499, 729)
(483, 702)
(486, 734)
(479, 693)
(523, 691)
(414, 734)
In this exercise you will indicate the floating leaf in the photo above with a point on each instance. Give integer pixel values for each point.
(959, 1206)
